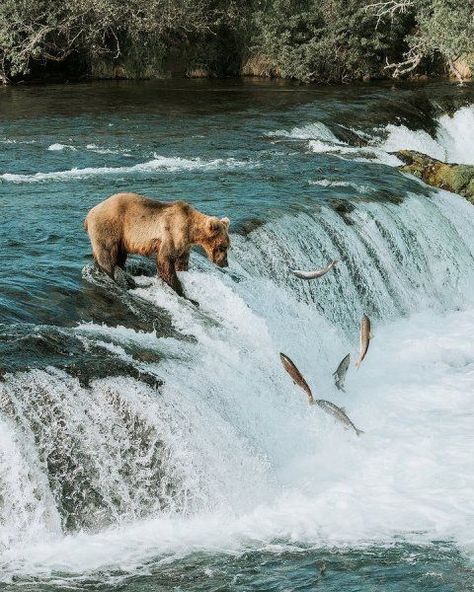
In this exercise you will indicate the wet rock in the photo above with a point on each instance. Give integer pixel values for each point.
(198, 73)
(248, 225)
(458, 178)
(344, 208)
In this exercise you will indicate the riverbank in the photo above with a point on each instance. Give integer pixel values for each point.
(313, 41)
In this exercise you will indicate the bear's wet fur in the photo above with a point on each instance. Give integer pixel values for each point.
(128, 223)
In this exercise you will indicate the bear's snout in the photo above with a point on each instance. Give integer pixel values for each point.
(220, 259)
(218, 255)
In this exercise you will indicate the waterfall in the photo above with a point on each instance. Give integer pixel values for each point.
(208, 444)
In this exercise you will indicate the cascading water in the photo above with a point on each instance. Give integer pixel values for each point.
(208, 446)
(452, 143)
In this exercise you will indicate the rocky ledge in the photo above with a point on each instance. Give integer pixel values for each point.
(458, 178)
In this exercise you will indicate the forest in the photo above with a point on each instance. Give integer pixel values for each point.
(324, 41)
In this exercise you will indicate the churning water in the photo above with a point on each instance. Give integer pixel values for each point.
(147, 443)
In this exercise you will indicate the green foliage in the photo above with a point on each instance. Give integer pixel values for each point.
(308, 40)
(446, 27)
(442, 29)
(52, 30)
(326, 40)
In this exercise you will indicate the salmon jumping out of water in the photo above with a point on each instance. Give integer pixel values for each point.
(312, 275)
(365, 337)
(341, 371)
(339, 413)
(296, 376)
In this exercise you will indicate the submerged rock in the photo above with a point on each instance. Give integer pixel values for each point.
(458, 178)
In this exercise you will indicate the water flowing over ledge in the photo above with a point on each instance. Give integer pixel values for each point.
(171, 429)
(127, 450)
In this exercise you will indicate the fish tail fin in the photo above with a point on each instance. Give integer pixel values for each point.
(359, 432)
(357, 364)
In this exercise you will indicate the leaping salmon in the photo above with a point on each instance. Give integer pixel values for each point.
(341, 371)
(312, 275)
(339, 413)
(297, 377)
(365, 337)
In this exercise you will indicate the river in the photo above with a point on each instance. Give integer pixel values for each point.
(147, 444)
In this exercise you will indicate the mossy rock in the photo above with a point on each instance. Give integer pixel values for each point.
(458, 178)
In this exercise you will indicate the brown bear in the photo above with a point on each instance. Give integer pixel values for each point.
(130, 223)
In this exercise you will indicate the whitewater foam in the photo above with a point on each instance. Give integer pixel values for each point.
(453, 141)
(348, 184)
(321, 140)
(311, 131)
(224, 454)
(60, 147)
(410, 476)
(12, 141)
(159, 163)
(99, 150)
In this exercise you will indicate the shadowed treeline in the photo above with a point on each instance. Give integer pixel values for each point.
(306, 40)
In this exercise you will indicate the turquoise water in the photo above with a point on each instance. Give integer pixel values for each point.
(146, 444)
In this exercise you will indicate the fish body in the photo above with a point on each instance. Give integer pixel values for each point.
(339, 413)
(341, 371)
(312, 275)
(365, 337)
(297, 377)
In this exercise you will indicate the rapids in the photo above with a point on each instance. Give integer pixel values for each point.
(142, 437)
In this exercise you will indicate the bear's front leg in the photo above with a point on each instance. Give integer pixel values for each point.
(167, 271)
(182, 262)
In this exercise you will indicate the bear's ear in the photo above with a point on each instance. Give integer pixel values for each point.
(214, 224)
(226, 222)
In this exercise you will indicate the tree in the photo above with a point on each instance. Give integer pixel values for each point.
(325, 40)
(52, 30)
(443, 28)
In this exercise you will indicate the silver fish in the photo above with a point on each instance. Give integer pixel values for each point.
(365, 337)
(339, 413)
(341, 371)
(296, 376)
(312, 275)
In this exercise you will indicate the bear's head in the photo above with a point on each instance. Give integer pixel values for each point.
(217, 240)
